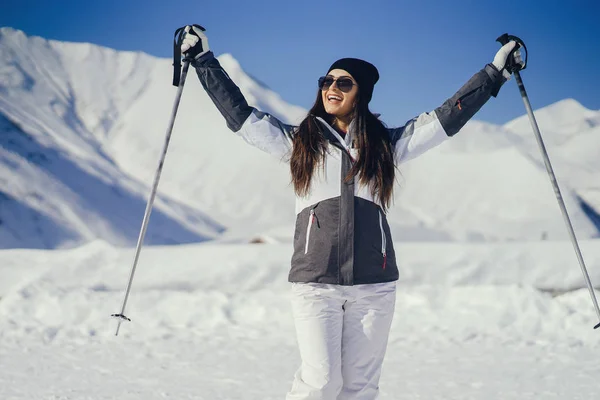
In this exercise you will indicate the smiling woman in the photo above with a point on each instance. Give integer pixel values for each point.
(342, 162)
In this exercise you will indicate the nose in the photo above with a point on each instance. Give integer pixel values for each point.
(334, 84)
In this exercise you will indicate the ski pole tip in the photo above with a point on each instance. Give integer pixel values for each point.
(597, 326)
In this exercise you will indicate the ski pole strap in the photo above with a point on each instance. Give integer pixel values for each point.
(178, 39)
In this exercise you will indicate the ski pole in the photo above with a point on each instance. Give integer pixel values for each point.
(179, 81)
(514, 66)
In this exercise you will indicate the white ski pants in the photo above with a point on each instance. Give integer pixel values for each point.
(342, 334)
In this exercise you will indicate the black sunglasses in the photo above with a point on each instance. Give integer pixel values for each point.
(344, 83)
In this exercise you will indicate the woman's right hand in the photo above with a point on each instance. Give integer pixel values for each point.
(195, 42)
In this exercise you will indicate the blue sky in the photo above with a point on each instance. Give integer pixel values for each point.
(424, 50)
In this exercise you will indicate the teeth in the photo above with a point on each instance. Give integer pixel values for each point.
(334, 98)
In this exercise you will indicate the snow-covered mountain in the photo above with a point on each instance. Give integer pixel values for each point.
(571, 134)
(82, 127)
(59, 187)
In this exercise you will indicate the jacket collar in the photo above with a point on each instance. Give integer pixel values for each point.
(333, 135)
(336, 139)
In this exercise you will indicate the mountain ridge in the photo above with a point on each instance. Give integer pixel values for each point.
(105, 112)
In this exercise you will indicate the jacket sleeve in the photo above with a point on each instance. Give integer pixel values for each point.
(259, 129)
(430, 129)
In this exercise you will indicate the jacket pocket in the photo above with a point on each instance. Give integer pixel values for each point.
(459, 102)
(383, 241)
(312, 218)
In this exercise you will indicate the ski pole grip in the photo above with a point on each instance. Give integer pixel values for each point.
(513, 66)
(177, 41)
(503, 39)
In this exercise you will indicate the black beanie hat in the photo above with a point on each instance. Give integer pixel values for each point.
(363, 72)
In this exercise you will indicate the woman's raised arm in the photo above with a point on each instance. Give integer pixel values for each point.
(258, 128)
(432, 128)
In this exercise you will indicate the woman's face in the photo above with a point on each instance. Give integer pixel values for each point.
(337, 102)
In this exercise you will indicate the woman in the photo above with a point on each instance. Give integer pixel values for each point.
(342, 162)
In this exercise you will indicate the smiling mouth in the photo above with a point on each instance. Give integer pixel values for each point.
(334, 98)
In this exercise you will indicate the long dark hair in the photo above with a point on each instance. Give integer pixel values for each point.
(375, 164)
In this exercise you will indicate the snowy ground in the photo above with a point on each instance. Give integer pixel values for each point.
(212, 322)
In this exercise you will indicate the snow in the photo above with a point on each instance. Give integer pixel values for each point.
(491, 300)
(567, 117)
(510, 320)
(570, 133)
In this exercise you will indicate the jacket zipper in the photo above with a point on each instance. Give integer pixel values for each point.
(383, 241)
(458, 102)
(311, 219)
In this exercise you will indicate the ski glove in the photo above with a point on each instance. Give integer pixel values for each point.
(500, 60)
(195, 42)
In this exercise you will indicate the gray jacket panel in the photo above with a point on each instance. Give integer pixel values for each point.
(460, 108)
(321, 255)
(223, 92)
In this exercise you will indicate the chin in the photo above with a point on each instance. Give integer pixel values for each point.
(335, 112)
